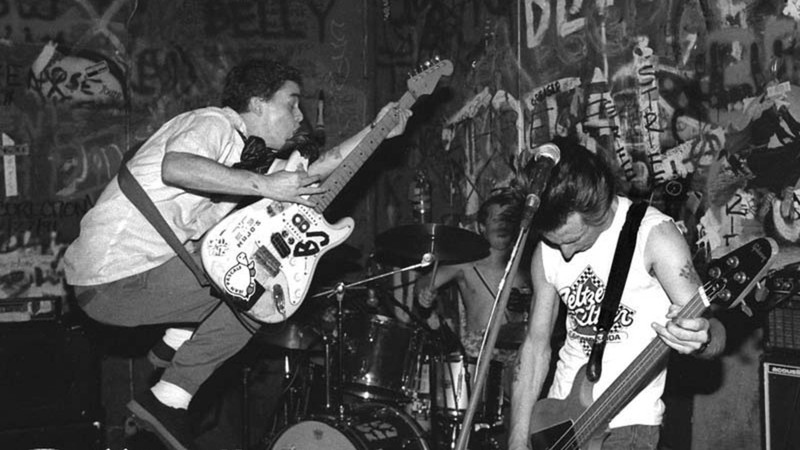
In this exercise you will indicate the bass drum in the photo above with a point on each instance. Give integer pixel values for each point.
(368, 426)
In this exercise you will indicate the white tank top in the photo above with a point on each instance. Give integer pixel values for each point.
(581, 283)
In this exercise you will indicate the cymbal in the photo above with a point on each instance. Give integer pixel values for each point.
(289, 335)
(338, 262)
(450, 245)
(511, 335)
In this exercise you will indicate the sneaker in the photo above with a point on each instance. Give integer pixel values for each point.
(160, 356)
(171, 425)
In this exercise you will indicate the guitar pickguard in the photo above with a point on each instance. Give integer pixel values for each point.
(265, 255)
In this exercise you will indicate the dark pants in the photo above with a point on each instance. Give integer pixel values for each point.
(633, 437)
(170, 294)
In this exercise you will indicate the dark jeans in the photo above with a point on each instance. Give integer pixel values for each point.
(165, 295)
(633, 437)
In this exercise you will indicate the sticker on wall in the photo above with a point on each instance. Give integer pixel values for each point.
(10, 153)
(85, 78)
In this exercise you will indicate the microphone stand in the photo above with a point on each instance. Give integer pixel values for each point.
(493, 327)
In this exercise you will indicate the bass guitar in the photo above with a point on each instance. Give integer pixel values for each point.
(265, 254)
(578, 423)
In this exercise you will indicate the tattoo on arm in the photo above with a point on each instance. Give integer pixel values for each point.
(688, 272)
(517, 369)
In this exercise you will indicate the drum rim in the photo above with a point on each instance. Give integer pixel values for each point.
(349, 430)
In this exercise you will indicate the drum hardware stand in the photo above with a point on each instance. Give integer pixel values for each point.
(327, 367)
(340, 353)
(335, 404)
(427, 259)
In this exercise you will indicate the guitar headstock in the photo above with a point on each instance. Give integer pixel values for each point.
(733, 276)
(423, 82)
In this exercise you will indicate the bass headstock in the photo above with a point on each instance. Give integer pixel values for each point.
(732, 276)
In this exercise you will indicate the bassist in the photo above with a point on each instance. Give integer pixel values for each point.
(579, 222)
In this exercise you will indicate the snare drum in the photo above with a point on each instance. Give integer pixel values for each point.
(452, 378)
(378, 351)
(368, 426)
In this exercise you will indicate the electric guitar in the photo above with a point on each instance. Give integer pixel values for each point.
(576, 423)
(265, 254)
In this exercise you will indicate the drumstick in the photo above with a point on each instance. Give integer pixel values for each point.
(433, 274)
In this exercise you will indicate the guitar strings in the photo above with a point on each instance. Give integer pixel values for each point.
(656, 349)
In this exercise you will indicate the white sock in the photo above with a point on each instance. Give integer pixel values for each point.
(171, 395)
(175, 337)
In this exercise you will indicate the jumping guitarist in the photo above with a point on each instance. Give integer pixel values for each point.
(579, 221)
(194, 170)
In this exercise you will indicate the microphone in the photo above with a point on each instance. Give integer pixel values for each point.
(538, 168)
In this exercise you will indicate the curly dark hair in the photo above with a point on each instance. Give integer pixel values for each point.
(259, 78)
(581, 182)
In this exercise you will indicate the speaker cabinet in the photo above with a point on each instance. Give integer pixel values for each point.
(49, 384)
(781, 401)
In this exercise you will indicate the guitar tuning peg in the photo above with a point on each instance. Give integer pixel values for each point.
(725, 295)
(427, 64)
(746, 309)
(740, 277)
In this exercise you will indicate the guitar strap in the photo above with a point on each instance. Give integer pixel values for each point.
(618, 275)
(136, 194)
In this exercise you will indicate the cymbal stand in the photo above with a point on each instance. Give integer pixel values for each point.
(427, 259)
(329, 407)
(340, 288)
(336, 403)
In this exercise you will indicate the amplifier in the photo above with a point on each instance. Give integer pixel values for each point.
(781, 402)
(49, 376)
(783, 325)
(74, 436)
(783, 306)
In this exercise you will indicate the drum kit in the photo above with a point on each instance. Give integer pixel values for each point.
(386, 384)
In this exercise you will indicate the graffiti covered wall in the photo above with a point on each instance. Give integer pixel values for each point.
(83, 81)
(693, 102)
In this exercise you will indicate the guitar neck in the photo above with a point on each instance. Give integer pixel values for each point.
(359, 155)
(632, 379)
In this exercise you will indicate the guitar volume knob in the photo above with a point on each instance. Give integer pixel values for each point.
(715, 272)
(740, 277)
(732, 262)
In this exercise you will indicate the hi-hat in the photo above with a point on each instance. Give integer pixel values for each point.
(448, 244)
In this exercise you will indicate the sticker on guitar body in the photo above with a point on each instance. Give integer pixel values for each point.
(240, 279)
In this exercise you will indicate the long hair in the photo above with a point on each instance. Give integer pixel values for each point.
(580, 183)
(259, 78)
